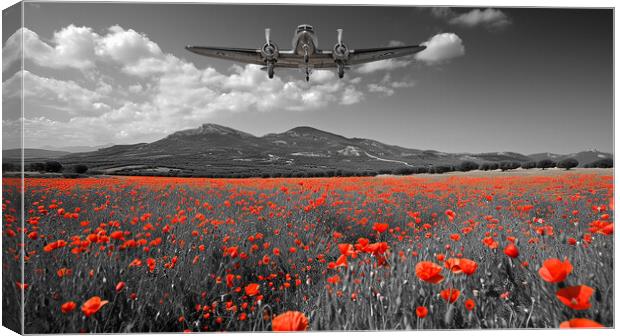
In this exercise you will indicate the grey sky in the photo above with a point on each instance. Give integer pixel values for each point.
(531, 80)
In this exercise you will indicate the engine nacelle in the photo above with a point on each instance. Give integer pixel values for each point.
(269, 52)
(340, 52)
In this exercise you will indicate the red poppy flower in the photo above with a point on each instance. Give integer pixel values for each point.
(342, 261)
(118, 235)
(376, 248)
(93, 305)
(62, 272)
(576, 297)
(554, 270)
(580, 323)
(334, 280)
(151, 263)
(136, 262)
(468, 266)
(290, 321)
(461, 265)
(346, 249)
(232, 251)
(511, 250)
(380, 227)
(54, 245)
(470, 304)
(421, 311)
(453, 265)
(252, 289)
(450, 294)
(450, 215)
(68, 307)
(361, 243)
(229, 280)
(429, 271)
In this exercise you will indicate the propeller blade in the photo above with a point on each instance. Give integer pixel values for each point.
(340, 30)
(267, 33)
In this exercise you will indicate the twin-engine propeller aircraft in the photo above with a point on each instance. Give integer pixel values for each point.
(305, 53)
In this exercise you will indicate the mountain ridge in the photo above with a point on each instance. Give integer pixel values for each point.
(216, 149)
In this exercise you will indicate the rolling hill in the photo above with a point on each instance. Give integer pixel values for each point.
(32, 153)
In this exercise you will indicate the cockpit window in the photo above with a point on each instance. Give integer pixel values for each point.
(304, 27)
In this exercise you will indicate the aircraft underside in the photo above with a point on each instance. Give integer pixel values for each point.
(305, 54)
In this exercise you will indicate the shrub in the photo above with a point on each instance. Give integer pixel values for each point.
(80, 169)
(528, 165)
(509, 165)
(467, 166)
(544, 164)
(441, 169)
(420, 170)
(568, 163)
(53, 166)
(404, 171)
(602, 163)
(9, 167)
(36, 166)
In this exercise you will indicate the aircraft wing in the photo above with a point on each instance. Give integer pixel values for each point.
(321, 60)
(359, 56)
(234, 54)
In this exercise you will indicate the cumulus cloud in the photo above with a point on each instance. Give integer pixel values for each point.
(12, 49)
(73, 47)
(351, 96)
(490, 18)
(387, 86)
(380, 89)
(383, 65)
(440, 48)
(60, 99)
(442, 12)
(126, 46)
(402, 84)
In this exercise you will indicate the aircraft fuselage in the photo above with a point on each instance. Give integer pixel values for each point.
(304, 41)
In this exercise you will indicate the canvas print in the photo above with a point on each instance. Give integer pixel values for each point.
(172, 167)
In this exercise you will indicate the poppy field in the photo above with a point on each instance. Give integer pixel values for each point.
(145, 254)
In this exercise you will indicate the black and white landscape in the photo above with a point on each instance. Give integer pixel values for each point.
(215, 150)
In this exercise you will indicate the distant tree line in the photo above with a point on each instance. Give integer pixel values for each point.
(465, 166)
(46, 167)
(602, 163)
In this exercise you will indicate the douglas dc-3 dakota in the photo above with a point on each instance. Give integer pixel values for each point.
(305, 53)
